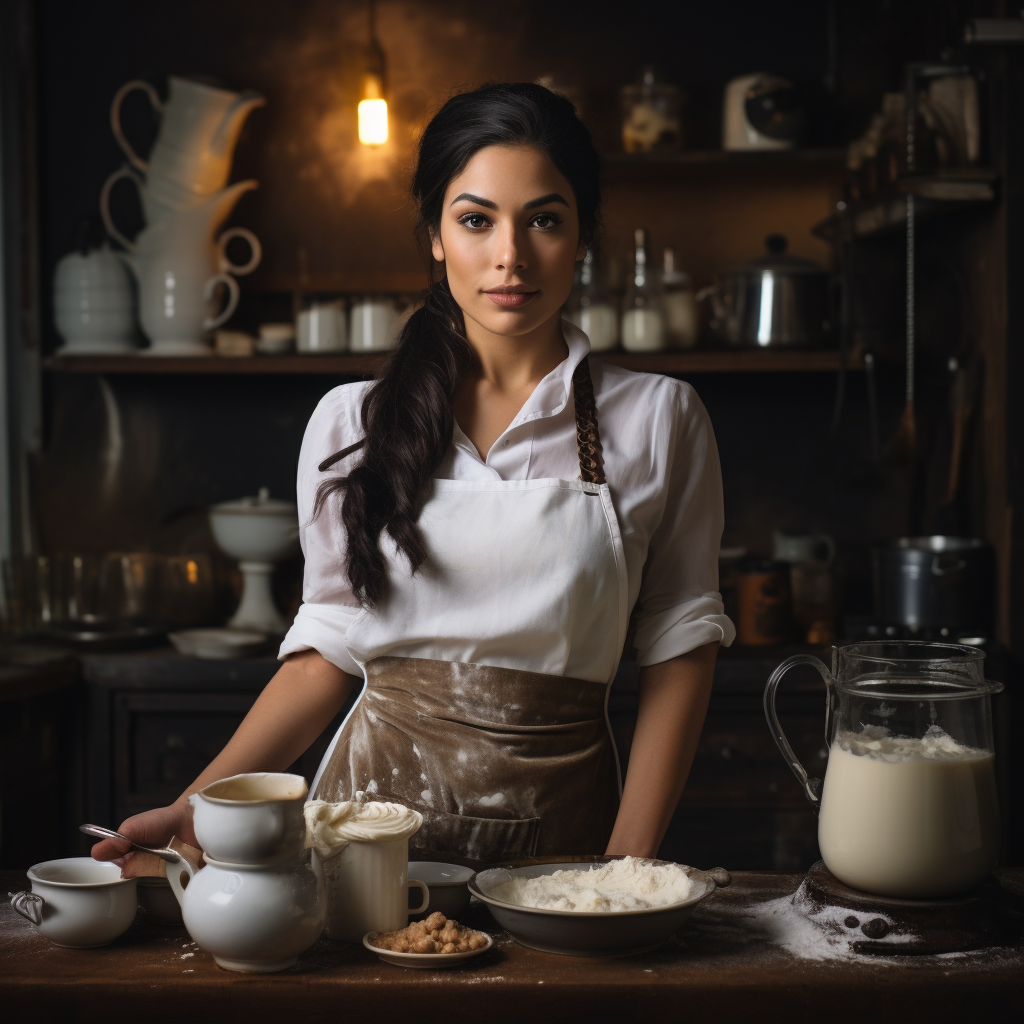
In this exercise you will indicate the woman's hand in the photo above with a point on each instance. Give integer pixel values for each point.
(150, 828)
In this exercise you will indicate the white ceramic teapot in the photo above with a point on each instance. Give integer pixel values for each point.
(257, 903)
(178, 263)
(93, 303)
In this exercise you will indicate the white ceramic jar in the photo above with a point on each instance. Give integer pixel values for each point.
(373, 325)
(94, 304)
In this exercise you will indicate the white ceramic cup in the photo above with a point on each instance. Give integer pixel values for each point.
(78, 901)
(367, 887)
(322, 328)
(448, 887)
(252, 819)
(373, 323)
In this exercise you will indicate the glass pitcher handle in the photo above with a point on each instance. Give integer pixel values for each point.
(811, 787)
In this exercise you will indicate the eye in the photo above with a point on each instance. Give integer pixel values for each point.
(473, 221)
(546, 220)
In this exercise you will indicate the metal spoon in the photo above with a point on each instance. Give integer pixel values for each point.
(107, 833)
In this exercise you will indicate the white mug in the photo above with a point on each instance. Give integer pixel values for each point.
(78, 901)
(373, 323)
(322, 328)
(367, 887)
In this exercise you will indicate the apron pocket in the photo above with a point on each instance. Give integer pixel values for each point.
(481, 840)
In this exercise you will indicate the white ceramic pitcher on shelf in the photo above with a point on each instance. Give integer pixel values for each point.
(179, 262)
(192, 156)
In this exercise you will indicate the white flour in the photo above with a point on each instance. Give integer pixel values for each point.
(631, 883)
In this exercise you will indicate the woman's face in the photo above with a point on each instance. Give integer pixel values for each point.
(509, 237)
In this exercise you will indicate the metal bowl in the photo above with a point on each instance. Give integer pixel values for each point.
(586, 933)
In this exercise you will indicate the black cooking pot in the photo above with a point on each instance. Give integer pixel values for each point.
(934, 582)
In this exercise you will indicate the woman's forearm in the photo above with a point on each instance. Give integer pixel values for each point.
(293, 709)
(673, 702)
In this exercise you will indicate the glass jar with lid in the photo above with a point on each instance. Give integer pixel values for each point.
(591, 308)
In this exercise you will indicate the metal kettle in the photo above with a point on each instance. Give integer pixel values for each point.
(775, 301)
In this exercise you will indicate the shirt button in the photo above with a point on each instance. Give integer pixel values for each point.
(506, 442)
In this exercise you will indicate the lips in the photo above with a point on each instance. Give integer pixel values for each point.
(510, 299)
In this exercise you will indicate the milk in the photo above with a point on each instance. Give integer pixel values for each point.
(643, 330)
(910, 818)
(600, 324)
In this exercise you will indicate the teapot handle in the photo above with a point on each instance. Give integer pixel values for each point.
(225, 265)
(811, 787)
(108, 186)
(115, 117)
(181, 873)
(232, 286)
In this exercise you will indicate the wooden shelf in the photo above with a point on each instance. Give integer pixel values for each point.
(946, 192)
(832, 158)
(698, 361)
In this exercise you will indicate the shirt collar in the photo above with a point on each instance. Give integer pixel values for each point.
(550, 396)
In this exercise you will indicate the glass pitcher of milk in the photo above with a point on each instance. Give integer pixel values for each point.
(908, 806)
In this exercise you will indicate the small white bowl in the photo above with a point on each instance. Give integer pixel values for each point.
(217, 644)
(424, 961)
(448, 887)
(78, 901)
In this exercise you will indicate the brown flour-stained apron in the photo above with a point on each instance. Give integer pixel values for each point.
(502, 763)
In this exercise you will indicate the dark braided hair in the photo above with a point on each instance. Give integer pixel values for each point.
(407, 413)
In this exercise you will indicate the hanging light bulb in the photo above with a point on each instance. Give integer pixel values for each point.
(373, 107)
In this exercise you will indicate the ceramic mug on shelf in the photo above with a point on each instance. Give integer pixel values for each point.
(367, 887)
(322, 327)
(77, 901)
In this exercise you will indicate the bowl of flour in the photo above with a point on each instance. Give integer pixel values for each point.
(594, 906)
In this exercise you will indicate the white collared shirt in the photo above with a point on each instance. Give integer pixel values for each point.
(661, 463)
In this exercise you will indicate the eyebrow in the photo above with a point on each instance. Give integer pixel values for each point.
(468, 197)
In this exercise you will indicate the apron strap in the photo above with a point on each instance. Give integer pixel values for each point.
(588, 437)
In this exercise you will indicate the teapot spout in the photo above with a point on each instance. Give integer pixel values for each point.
(223, 141)
(220, 205)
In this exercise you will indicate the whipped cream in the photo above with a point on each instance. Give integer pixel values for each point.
(331, 827)
(631, 883)
(935, 745)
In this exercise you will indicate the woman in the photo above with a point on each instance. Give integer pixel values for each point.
(480, 523)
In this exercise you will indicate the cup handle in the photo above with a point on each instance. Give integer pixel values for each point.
(115, 117)
(811, 787)
(232, 286)
(425, 890)
(108, 186)
(225, 265)
(29, 905)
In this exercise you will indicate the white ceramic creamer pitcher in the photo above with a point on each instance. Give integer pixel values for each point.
(192, 156)
(257, 903)
(179, 262)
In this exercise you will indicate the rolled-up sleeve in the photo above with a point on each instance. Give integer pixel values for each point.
(679, 607)
(328, 605)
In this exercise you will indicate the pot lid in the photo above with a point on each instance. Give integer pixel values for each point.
(261, 505)
(778, 261)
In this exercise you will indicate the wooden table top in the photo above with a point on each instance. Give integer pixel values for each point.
(723, 966)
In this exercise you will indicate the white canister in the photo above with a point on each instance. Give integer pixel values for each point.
(643, 330)
(373, 323)
(322, 328)
(94, 303)
(367, 888)
(600, 324)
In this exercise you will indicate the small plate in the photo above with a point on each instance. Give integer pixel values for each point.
(425, 960)
(218, 644)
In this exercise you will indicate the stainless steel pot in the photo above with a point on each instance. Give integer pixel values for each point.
(934, 583)
(776, 301)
